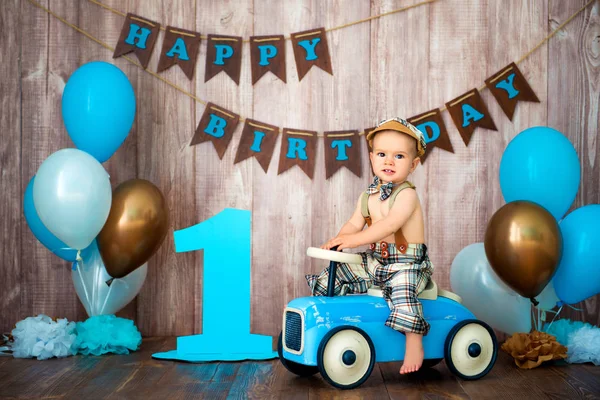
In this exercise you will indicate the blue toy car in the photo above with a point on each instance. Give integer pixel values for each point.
(343, 337)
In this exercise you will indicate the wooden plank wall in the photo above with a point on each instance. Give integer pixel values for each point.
(402, 64)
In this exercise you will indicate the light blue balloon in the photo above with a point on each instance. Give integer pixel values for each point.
(72, 196)
(578, 275)
(484, 293)
(40, 231)
(541, 165)
(98, 108)
(89, 280)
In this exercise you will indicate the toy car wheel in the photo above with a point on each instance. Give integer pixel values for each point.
(295, 368)
(346, 357)
(431, 362)
(471, 349)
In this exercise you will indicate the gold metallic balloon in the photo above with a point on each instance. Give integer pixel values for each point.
(523, 245)
(135, 228)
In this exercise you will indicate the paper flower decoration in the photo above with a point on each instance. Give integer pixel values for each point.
(530, 350)
(43, 338)
(102, 334)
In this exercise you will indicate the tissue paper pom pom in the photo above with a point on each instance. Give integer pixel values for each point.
(581, 338)
(584, 345)
(563, 328)
(107, 334)
(531, 349)
(43, 338)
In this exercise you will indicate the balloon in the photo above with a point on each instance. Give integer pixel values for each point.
(98, 108)
(90, 277)
(548, 298)
(42, 233)
(136, 227)
(523, 245)
(482, 292)
(529, 170)
(72, 196)
(578, 274)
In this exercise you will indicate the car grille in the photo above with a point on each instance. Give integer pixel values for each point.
(293, 330)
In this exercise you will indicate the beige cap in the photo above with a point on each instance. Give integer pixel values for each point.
(402, 126)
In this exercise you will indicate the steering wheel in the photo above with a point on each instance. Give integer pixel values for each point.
(331, 255)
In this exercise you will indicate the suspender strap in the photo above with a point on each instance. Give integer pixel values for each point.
(404, 185)
(401, 242)
(364, 208)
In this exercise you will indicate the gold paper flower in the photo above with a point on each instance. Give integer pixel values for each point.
(531, 349)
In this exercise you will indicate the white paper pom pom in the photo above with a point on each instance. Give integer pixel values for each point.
(43, 338)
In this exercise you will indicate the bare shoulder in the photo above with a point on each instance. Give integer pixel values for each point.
(406, 198)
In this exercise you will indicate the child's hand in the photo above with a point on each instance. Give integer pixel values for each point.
(342, 241)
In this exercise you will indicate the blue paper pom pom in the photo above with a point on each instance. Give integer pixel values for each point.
(581, 338)
(562, 328)
(103, 334)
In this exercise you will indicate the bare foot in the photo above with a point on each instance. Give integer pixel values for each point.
(413, 358)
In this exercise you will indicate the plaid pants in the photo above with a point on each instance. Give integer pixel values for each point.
(401, 278)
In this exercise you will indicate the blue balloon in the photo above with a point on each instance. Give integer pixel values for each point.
(541, 165)
(578, 274)
(98, 108)
(40, 231)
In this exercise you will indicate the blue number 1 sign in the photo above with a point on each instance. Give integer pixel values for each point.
(226, 335)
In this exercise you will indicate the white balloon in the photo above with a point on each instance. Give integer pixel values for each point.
(72, 196)
(548, 298)
(484, 293)
(90, 280)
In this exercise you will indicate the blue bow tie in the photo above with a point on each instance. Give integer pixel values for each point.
(384, 189)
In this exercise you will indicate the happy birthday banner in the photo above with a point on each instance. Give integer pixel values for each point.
(342, 148)
(224, 53)
(298, 148)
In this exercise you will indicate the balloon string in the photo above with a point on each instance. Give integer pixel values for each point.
(551, 322)
(106, 299)
(574, 308)
(79, 265)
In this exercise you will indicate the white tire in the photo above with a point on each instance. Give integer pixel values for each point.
(471, 349)
(346, 357)
(330, 255)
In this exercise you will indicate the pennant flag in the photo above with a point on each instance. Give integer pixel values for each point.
(138, 35)
(508, 87)
(267, 53)
(224, 53)
(179, 47)
(298, 148)
(258, 140)
(366, 133)
(468, 112)
(342, 149)
(433, 127)
(216, 125)
(310, 48)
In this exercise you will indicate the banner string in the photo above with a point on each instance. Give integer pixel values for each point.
(197, 99)
(288, 37)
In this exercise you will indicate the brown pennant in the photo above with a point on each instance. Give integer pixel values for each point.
(469, 112)
(310, 48)
(267, 53)
(224, 53)
(298, 148)
(342, 149)
(508, 87)
(216, 125)
(366, 133)
(139, 35)
(258, 141)
(179, 47)
(433, 127)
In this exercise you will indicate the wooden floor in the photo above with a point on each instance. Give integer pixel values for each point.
(139, 376)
